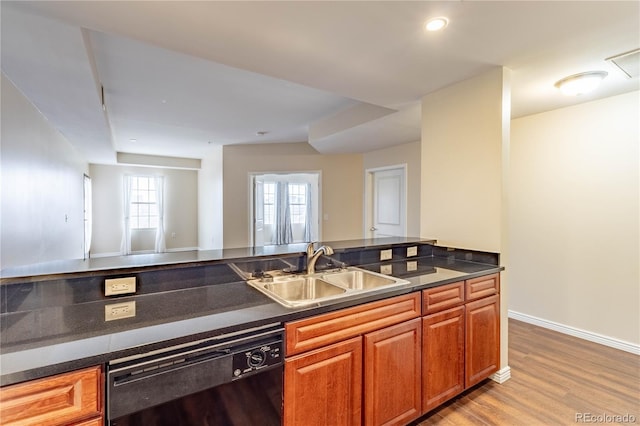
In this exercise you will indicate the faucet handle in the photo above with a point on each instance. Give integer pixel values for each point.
(310, 248)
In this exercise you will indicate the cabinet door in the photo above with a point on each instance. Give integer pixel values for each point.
(392, 386)
(324, 386)
(57, 400)
(482, 357)
(442, 357)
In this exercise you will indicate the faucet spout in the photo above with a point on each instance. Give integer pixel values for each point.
(313, 256)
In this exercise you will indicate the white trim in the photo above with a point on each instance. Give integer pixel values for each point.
(320, 212)
(501, 375)
(576, 332)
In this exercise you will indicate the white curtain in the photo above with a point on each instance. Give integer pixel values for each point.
(283, 233)
(125, 244)
(160, 246)
(307, 217)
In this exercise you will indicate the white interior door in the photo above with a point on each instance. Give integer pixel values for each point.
(389, 203)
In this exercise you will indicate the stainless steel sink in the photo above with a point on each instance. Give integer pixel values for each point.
(304, 290)
(359, 279)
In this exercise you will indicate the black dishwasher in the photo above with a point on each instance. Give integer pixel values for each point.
(233, 379)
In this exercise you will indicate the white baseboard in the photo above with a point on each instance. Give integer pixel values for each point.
(501, 375)
(173, 250)
(576, 332)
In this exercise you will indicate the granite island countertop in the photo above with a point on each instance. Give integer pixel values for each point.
(60, 326)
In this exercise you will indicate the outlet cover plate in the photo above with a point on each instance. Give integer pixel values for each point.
(116, 311)
(117, 286)
(412, 251)
(386, 254)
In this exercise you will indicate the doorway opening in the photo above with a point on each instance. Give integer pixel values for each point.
(386, 202)
(285, 208)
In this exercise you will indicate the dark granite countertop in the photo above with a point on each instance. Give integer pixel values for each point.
(53, 327)
(80, 267)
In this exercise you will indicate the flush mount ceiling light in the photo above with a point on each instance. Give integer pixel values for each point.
(581, 83)
(436, 24)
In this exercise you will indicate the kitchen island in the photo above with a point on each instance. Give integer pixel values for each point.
(55, 323)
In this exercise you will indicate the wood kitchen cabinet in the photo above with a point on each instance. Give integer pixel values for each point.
(328, 355)
(482, 344)
(324, 386)
(443, 356)
(73, 398)
(392, 366)
(460, 337)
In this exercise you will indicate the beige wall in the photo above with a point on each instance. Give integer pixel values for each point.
(461, 195)
(464, 190)
(409, 154)
(574, 217)
(42, 187)
(181, 209)
(210, 229)
(341, 186)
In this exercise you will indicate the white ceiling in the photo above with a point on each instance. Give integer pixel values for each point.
(180, 77)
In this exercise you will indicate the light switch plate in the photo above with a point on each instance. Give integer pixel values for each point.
(412, 251)
(386, 254)
(386, 269)
(117, 311)
(117, 286)
(412, 266)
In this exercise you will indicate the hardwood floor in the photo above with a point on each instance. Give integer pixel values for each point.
(556, 379)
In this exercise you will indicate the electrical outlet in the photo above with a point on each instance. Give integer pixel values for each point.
(412, 266)
(386, 254)
(412, 251)
(117, 286)
(386, 269)
(117, 311)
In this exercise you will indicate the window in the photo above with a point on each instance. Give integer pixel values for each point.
(144, 206)
(269, 203)
(284, 208)
(298, 203)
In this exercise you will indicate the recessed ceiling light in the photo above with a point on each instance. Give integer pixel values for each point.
(133, 140)
(578, 84)
(436, 24)
(261, 133)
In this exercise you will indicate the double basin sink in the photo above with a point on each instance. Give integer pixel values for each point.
(303, 290)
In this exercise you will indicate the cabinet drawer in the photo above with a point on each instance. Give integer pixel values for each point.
(443, 297)
(322, 330)
(56, 400)
(477, 288)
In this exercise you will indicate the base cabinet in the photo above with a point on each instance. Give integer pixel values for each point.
(443, 357)
(482, 346)
(460, 337)
(392, 370)
(324, 386)
(372, 378)
(73, 398)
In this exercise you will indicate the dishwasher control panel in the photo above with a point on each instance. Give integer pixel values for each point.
(256, 358)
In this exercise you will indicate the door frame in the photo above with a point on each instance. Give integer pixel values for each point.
(367, 219)
(251, 201)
